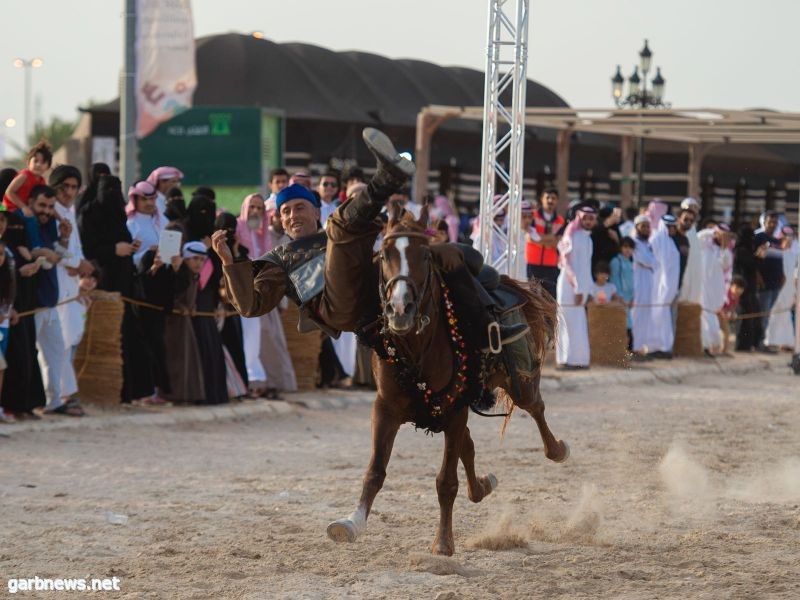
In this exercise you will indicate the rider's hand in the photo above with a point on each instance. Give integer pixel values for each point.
(219, 242)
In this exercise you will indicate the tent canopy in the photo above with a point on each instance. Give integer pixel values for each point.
(312, 83)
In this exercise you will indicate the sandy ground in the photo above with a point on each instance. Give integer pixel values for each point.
(688, 490)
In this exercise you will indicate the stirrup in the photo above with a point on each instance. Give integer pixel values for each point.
(495, 340)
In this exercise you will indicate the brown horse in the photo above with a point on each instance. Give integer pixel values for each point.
(418, 324)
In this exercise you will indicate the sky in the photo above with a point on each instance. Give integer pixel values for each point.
(712, 53)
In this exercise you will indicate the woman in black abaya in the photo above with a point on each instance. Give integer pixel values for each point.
(199, 225)
(106, 239)
(746, 264)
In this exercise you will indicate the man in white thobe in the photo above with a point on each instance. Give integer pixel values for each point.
(692, 283)
(665, 288)
(644, 267)
(572, 290)
(713, 249)
(144, 221)
(66, 180)
(252, 229)
(780, 332)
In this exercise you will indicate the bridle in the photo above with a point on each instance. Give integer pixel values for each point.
(419, 294)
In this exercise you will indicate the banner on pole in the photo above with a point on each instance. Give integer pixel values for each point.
(165, 68)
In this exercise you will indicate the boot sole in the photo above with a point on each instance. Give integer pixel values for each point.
(380, 144)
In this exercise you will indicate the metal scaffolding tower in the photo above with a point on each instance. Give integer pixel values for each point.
(504, 131)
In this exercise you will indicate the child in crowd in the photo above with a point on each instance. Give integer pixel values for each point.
(622, 276)
(40, 157)
(602, 291)
(7, 292)
(195, 359)
(735, 291)
(87, 283)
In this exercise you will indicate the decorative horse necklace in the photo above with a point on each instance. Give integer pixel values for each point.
(409, 376)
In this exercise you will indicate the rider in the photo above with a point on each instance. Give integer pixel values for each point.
(325, 274)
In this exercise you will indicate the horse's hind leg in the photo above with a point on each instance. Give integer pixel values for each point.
(531, 401)
(447, 483)
(384, 431)
(477, 487)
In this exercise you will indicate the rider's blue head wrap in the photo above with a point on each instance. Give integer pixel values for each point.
(293, 192)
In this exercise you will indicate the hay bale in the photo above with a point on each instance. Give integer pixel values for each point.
(303, 349)
(98, 359)
(688, 339)
(608, 334)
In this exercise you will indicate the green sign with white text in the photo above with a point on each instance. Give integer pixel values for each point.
(215, 145)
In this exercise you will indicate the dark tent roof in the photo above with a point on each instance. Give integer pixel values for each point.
(309, 82)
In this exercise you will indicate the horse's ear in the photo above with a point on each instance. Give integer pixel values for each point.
(395, 211)
(423, 217)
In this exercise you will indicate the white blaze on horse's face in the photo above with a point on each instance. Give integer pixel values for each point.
(400, 292)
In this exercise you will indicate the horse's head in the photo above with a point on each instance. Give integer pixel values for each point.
(405, 271)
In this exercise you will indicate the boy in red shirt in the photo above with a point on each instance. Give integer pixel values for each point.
(40, 157)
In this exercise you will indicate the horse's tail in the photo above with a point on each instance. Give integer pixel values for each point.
(540, 312)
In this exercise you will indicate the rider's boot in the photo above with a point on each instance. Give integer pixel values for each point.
(474, 305)
(394, 171)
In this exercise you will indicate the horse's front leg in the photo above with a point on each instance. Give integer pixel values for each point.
(384, 430)
(447, 483)
(477, 487)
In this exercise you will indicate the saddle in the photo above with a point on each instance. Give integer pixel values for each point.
(500, 298)
(506, 305)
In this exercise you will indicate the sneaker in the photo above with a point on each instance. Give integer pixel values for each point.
(7, 417)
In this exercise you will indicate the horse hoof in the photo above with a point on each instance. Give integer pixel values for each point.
(342, 530)
(565, 453)
(492, 481)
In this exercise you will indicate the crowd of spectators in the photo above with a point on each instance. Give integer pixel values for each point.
(651, 261)
(62, 237)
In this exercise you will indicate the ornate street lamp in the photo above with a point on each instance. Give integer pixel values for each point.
(638, 94)
(639, 97)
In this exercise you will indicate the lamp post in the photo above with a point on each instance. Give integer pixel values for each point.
(27, 65)
(7, 124)
(639, 97)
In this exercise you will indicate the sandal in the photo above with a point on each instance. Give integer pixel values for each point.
(66, 409)
(155, 401)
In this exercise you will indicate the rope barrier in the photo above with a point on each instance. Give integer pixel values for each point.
(742, 317)
(174, 311)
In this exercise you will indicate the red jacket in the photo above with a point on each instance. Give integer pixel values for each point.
(536, 254)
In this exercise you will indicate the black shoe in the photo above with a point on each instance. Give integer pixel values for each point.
(389, 160)
(500, 335)
(394, 170)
